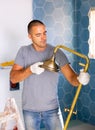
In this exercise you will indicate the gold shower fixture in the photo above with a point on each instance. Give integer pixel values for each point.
(52, 66)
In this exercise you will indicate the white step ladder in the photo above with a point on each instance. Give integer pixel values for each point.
(10, 119)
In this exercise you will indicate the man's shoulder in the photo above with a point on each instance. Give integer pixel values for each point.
(50, 46)
(25, 47)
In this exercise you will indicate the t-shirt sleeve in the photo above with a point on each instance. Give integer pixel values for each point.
(20, 57)
(60, 58)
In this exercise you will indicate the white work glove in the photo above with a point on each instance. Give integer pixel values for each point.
(36, 69)
(83, 77)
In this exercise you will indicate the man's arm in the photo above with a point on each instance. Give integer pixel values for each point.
(73, 77)
(18, 73)
(70, 74)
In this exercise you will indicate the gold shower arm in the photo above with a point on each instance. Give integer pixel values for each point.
(80, 85)
(76, 53)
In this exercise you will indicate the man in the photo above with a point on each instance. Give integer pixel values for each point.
(40, 100)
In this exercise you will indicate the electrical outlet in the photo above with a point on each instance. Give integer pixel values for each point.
(14, 86)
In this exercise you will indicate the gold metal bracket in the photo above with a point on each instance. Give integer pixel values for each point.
(68, 110)
(7, 63)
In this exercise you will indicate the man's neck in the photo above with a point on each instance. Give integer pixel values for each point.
(38, 48)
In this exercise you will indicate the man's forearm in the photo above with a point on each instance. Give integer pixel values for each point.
(19, 75)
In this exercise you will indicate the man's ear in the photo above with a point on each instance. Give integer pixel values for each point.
(29, 36)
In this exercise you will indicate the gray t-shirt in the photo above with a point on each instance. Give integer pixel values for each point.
(40, 91)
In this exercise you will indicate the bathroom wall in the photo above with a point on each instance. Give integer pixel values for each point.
(86, 102)
(67, 24)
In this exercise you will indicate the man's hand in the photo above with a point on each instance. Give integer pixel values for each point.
(83, 77)
(36, 69)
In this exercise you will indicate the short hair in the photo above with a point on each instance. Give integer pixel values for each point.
(34, 23)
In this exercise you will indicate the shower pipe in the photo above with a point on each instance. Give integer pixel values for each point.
(80, 85)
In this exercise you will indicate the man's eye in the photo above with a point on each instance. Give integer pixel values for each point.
(45, 33)
(38, 35)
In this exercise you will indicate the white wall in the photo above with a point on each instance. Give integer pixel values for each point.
(14, 17)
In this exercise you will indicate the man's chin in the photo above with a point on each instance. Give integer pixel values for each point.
(43, 45)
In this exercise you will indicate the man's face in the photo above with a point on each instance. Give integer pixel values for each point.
(38, 36)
